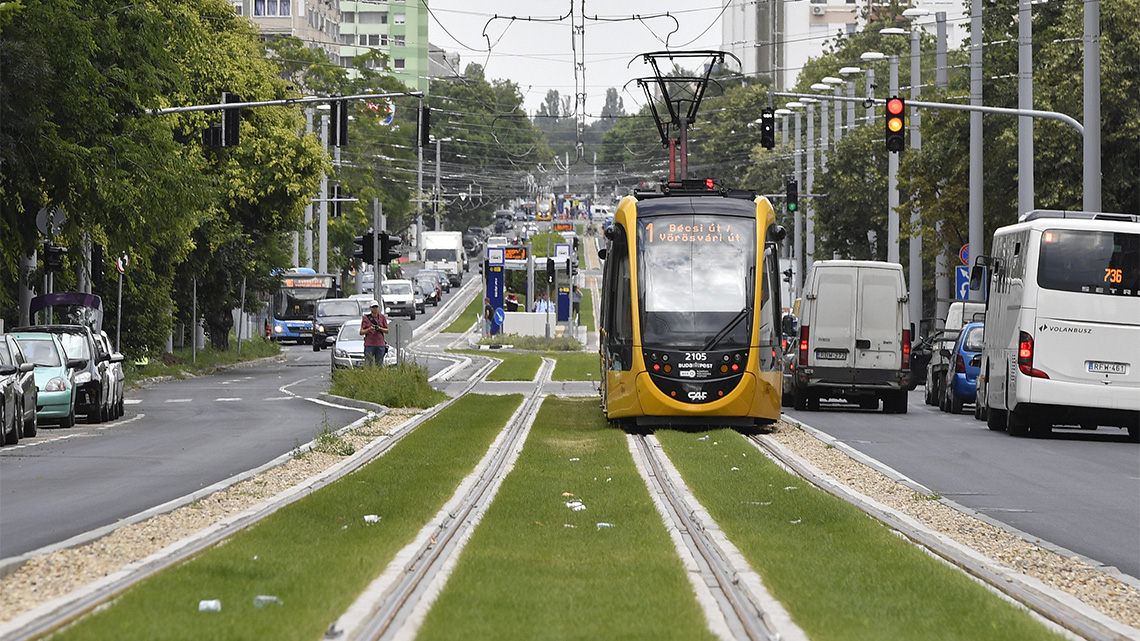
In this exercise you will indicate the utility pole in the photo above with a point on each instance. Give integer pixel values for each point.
(323, 206)
(977, 170)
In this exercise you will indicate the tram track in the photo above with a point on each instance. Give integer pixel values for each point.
(736, 602)
(1047, 603)
(396, 602)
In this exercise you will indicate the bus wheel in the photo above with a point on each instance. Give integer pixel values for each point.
(1018, 425)
(995, 419)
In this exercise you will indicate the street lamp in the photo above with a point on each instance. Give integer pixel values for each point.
(437, 191)
(797, 226)
(915, 244)
(809, 183)
(847, 71)
(892, 161)
(783, 114)
(836, 85)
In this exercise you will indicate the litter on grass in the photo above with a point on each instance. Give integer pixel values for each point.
(210, 605)
(791, 487)
(577, 506)
(371, 518)
(575, 459)
(263, 600)
(704, 438)
(604, 525)
(735, 469)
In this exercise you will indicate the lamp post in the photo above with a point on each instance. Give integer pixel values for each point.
(824, 141)
(809, 183)
(837, 85)
(848, 71)
(797, 234)
(892, 164)
(783, 114)
(915, 245)
(436, 200)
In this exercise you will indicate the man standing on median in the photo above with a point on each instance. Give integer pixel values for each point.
(373, 327)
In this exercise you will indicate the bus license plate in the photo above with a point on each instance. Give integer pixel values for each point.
(1101, 367)
(831, 354)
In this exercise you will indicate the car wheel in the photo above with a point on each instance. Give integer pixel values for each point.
(32, 426)
(926, 394)
(69, 420)
(412, 316)
(954, 402)
(12, 434)
(978, 415)
(316, 346)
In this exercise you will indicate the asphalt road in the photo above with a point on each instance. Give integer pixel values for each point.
(176, 438)
(1076, 489)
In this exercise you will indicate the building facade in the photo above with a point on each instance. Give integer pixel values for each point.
(396, 28)
(315, 22)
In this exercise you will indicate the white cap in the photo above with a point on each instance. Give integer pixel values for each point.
(373, 303)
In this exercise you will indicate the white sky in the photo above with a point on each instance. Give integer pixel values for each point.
(536, 50)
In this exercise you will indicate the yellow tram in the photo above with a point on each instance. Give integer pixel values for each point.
(690, 308)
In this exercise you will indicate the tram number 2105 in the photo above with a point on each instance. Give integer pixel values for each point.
(696, 357)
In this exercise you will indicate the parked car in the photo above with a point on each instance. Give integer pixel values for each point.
(18, 386)
(957, 316)
(329, 314)
(55, 376)
(115, 376)
(965, 359)
(418, 290)
(92, 390)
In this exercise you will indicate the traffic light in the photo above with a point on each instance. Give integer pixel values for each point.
(231, 119)
(338, 123)
(896, 124)
(366, 253)
(793, 195)
(425, 126)
(389, 247)
(768, 128)
(53, 257)
(97, 265)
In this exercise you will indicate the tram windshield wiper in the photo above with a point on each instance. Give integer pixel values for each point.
(732, 323)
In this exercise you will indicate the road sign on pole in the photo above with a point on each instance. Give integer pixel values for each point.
(964, 254)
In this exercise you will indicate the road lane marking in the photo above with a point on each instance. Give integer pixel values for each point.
(227, 400)
(178, 400)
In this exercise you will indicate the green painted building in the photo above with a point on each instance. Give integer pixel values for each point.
(397, 28)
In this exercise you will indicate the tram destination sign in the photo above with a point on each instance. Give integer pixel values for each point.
(699, 233)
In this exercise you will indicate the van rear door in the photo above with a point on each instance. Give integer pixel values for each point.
(878, 320)
(832, 330)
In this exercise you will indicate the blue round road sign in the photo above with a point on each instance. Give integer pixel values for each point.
(500, 315)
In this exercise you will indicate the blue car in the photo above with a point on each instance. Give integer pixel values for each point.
(962, 376)
(55, 375)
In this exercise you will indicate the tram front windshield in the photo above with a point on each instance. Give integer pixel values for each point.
(696, 277)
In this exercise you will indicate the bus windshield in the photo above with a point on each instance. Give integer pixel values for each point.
(299, 294)
(1093, 262)
(696, 274)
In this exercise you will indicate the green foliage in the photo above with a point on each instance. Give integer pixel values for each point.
(535, 343)
(317, 555)
(404, 385)
(535, 569)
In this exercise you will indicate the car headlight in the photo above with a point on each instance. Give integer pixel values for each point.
(321, 328)
(340, 353)
(82, 377)
(56, 384)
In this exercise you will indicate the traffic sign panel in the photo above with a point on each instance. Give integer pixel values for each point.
(964, 254)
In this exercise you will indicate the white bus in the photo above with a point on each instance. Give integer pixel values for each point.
(1062, 337)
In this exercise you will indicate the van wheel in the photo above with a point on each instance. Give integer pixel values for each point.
(895, 402)
(799, 399)
(813, 402)
(1134, 433)
(869, 403)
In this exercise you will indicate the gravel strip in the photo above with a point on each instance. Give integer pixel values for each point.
(53, 575)
(58, 573)
(1090, 585)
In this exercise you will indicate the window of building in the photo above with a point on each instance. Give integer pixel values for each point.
(398, 63)
(383, 40)
(399, 18)
(272, 8)
(348, 16)
(347, 39)
(238, 8)
(397, 41)
(373, 17)
(374, 40)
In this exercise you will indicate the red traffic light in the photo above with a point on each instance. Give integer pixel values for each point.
(895, 122)
(895, 106)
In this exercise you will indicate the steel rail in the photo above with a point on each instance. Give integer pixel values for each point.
(397, 605)
(744, 617)
(87, 598)
(996, 577)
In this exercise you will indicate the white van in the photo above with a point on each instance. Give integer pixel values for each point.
(1062, 338)
(854, 340)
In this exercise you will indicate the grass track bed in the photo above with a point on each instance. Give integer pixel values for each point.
(840, 574)
(316, 554)
(526, 575)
